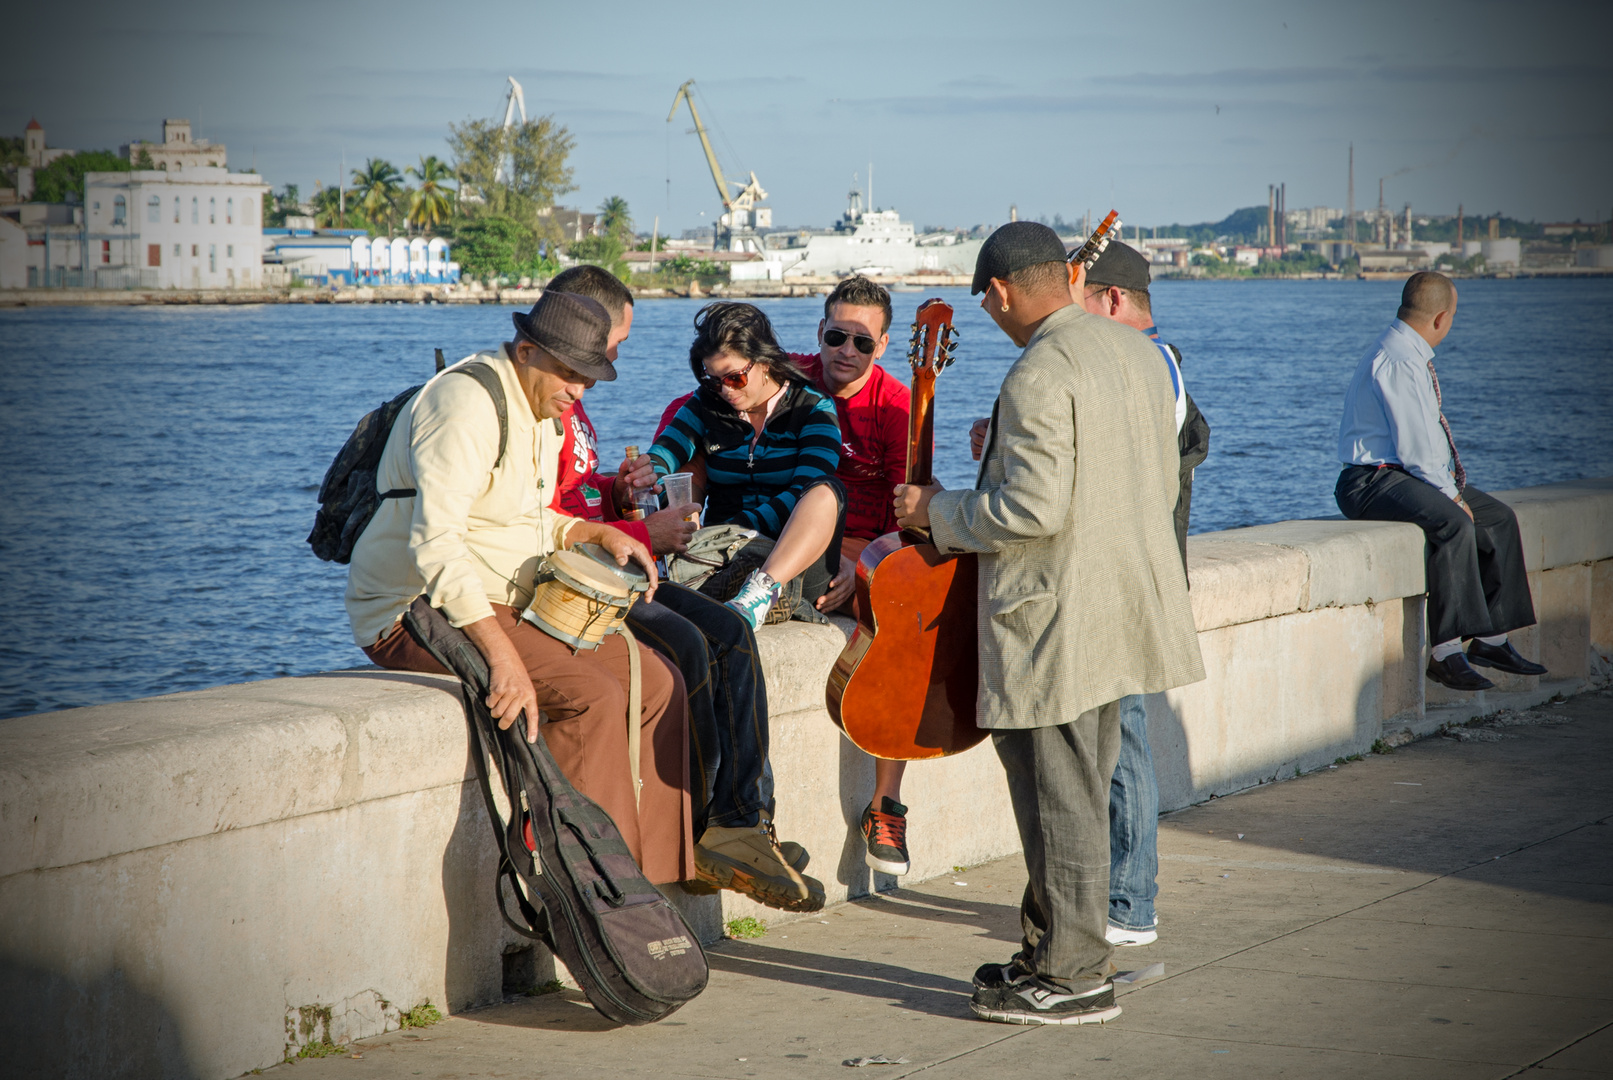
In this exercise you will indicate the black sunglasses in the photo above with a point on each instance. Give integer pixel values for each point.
(836, 338)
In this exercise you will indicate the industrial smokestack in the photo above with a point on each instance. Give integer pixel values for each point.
(1282, 217)
(1349, 205)
(1271, 214)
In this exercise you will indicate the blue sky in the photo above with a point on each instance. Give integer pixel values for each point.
(1171, 111)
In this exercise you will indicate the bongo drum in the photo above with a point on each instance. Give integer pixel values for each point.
(581, 595)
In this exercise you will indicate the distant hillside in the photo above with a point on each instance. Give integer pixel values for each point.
(1240, 226)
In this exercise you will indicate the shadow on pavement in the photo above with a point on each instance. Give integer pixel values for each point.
(901, 987)
(999, 921)
(567, 1010)
(1525, 805)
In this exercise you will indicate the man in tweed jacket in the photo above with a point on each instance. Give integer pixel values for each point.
(1083, 600)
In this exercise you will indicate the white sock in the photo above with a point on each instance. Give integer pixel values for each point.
(1447, 649)
(1497, 640)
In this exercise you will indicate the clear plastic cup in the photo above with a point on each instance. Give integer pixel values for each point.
(679, 488)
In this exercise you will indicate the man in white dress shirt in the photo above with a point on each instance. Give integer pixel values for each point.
(1400, 464)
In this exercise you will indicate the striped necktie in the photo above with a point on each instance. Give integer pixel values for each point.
(1456, 459)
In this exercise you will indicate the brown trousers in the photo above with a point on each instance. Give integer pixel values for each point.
(583, 696)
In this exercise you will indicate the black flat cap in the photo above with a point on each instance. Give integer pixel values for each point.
(573, 328)
(1120, 265)
(1013, 247)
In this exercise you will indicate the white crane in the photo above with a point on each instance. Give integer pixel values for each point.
(516, 100)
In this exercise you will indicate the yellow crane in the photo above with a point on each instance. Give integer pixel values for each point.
(741, 210)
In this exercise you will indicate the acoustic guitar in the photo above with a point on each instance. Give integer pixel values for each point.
(904, 687)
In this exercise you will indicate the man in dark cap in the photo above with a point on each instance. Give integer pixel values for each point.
(1082, 601)
(465, 519)
(1116, 288)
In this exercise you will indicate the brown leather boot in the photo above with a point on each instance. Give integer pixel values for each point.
(748, 860)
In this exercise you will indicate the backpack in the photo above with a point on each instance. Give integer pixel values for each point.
(719, 558)
(348, 498)
(574, 881)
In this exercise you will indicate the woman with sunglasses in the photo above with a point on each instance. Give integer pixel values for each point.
(770, 443)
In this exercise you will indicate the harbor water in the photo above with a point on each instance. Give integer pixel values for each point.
(161, 462)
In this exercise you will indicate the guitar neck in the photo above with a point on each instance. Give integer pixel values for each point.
(921, 429)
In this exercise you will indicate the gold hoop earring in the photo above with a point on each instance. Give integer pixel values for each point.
(1005, 307)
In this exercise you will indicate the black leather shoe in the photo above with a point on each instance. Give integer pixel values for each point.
(1454, 673)
(1502, 657)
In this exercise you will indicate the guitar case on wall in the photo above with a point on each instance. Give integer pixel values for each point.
(575, 883)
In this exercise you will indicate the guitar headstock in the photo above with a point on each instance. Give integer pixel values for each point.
(934, 339)
(1088, 253)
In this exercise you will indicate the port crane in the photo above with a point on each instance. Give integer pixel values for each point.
(742, 216)
(506, 163)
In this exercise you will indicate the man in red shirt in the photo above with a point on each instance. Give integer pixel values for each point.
(873, 410)
(713, 647)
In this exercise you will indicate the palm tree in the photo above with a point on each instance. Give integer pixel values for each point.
(378, 185)
(431, 201)
(614, 219)
(327, 208)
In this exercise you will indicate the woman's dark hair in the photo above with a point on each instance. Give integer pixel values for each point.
(743, 330)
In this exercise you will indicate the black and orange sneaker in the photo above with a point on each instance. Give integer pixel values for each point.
(885, 831)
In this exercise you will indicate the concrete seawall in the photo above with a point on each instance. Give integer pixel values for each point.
(194, 885)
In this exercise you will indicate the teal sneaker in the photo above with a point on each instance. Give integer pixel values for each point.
(756, 598)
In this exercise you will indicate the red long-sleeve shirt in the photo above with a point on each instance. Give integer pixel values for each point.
(582, 491)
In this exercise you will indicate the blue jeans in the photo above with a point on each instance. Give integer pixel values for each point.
(1133, 823)
(711, 644)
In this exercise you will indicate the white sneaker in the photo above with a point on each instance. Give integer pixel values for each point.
(756, 598)
(1119, 935)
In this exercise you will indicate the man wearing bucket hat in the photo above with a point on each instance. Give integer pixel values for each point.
(1082, 601)
(467, 525)
(713, 647)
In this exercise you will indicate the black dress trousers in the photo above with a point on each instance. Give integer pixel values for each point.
(1477, 584)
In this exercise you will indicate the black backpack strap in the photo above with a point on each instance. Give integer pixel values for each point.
(490, 381)
(495, 390)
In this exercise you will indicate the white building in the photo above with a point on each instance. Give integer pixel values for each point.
(196, 228)
(351, 257)
(34, 148)
(1312, 218)
(41, 244)
(37, 155)
(178, 151)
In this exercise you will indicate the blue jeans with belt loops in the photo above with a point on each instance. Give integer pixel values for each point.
(1133, 823)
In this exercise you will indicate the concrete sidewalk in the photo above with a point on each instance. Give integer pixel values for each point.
(1442, 911)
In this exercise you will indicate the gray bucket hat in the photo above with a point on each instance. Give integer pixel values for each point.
(573, 328)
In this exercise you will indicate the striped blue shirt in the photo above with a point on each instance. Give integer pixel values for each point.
(753, 480)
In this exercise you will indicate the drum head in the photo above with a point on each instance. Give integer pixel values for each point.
(589, 575)
(635, 577)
